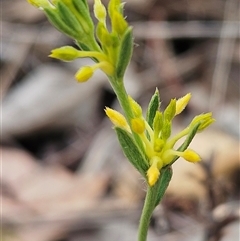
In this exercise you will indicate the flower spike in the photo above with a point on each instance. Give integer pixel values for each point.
(146, 142)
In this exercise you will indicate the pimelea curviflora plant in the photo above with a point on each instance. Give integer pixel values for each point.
(145, 140)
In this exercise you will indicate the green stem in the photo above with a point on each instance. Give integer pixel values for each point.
(120, 91)
(147, 211)
(152, 192)
(153, 197)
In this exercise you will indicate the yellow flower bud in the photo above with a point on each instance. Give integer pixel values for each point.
(153, 175)
(182, 103)
(100, 11)
(153, 171)
(205, 120)
(117, 118)
(138, 125)
(136, 108)
(84, 73)
(66, 53)
(191, 156)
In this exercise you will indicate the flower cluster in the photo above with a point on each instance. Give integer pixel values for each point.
(146, 142)
(155, 133)
(110, 49)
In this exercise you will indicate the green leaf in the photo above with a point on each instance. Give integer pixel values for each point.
(80, 3)
(125, 53)
(187, 141)
(131, 151)
(82, 8)
(153, 106)
(163, 182)
(68, 18)
(56, 21)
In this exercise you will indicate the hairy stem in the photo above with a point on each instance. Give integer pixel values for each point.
(147, 211)
(120, 91)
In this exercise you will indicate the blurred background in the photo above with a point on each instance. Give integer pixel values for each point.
(63, 175)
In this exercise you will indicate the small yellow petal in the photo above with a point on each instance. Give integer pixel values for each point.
(153, 175)
(182, 103)
(117, 118)
(191, 156)
(84, 74)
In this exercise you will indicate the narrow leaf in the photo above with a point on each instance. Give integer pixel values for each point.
(125, 53)
(68, 18)
(164, 180)
(187, 141)
(83, 10)
(153, 106)
(131, 151)
(80, 2)
(59, 24)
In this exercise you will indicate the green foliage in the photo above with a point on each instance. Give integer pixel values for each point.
(153, 106)
(125, 53)
(164, 180)
(131, 151)
(187, 141)
(59, 24)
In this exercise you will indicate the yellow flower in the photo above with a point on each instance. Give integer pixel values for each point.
(182, 103)
(157, 145)
(66, 53)
(138, 125)
(117, 118)
(84, 73)
(153, 175)
(191, 156)
(205, 120)
(153, 172)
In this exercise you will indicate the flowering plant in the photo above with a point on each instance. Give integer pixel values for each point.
(145, 140)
